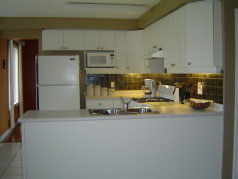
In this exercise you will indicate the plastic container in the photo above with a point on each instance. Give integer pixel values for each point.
(97, 90)
(103, 91)
(90, 90)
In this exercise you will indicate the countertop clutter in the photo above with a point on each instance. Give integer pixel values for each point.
(167, 110)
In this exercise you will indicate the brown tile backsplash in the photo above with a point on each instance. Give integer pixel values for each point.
(213, 83)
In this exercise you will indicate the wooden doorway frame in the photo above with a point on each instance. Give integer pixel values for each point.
(235, 161)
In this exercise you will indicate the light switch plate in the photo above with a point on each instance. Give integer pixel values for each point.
(200, 87)
(112, 84)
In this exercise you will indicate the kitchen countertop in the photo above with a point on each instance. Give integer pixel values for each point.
(166, 111)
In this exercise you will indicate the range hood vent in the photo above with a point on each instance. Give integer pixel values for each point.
(155, 54)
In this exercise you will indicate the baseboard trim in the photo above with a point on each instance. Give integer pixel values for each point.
(5, 134)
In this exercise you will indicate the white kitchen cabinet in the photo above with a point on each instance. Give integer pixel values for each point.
(135, 58)
(200, 34)
(147, 38)
(107, 39)
(73, 39)
(99, 103)
(100, 40)
(151, 38)
(103, 103)
(194, 45)
(92, 40)
(117, 103)
(120, 52)
(69, 39)
(52, 39)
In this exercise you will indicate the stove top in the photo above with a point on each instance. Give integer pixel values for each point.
(143, 100)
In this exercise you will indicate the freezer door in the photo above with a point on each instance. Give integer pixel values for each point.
(58, 70)
(58, 97)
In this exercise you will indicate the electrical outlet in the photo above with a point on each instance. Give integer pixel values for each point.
(200, 87)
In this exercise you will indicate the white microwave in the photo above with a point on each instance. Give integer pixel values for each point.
(103, 59)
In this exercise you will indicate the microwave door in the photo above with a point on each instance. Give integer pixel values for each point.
(97, 61)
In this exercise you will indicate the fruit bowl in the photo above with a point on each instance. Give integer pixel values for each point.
(198, 104)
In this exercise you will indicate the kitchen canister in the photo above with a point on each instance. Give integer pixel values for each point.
(97, 90)
(111, 91)
(90, 90)
(103, 91)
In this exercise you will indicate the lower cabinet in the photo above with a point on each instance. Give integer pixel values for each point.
(103, 103)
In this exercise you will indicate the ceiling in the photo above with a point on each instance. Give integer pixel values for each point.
(63, 8)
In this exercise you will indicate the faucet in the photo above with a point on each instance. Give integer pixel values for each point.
(125, 104)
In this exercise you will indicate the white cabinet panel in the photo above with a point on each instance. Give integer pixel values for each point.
(99, 40)
(190, 38)
(200, 33)
(74, 39)
(120, 52)
(167, 25)
(107, 40)
(151, 38)
(117, 103)
(92, 41)
(147, 39)
(99, 103)
(52, 40)
(135, 60)
(63, 39)
(179, 32)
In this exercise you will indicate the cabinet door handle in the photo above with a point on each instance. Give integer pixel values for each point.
(172, 65)
(117, 67)
(154, 46)
(189, 63)
(101, 47)
(65, 48)
(97, 47)
(99, 104)
(61, 48)
(128, 68)
(147, 66)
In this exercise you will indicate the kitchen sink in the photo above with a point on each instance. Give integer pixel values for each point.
(118, 111)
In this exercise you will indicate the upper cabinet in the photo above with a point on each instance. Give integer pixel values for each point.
(120, 52)
(151, 38)
(135, 61)
(100, 40)
(190, 38)
(63, 39)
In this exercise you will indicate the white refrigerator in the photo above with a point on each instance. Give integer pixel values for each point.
(57, 82)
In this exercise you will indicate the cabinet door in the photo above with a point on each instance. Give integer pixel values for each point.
(107, 40)
(166, 24)
(117, 103)
(180, 35)
(147, 36)
(120, 52)
(135, 60)
(92, 40)
(160, 34)
(200, 33)
(52, 40)
(73, 39)
(99, 103)
(154, 39)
